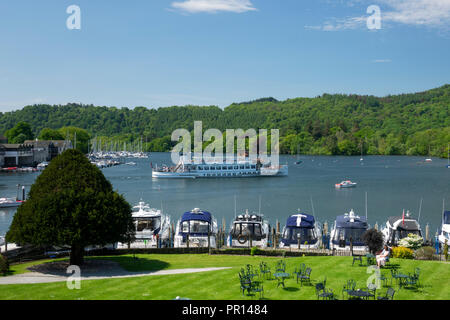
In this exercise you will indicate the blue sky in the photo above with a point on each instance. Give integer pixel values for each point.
(215, 52)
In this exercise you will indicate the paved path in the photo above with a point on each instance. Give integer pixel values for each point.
(37, 277)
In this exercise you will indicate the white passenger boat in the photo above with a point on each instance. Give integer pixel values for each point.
(196, 225)
(445, 228)
(346, 227)
(187, 168)
(345, 184)
(300, 227)
(398, 227)
(246, 227)
(151, 226)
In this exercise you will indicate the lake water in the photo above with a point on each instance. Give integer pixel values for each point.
(392, 183)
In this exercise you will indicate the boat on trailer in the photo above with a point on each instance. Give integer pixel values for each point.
(346, 227)
(249, 226)
(302, 228)
(399, 227)
(196, 225)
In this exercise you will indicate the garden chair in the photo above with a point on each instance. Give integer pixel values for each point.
(413, 279)
(388, 296)
(306, 276)
(348, 286)
(246, 284)
(264, 270)
(357, 258)
(322, 292)
(300, 271)
(251, 272)
(281, 266)
(256, 286)
(372, 290)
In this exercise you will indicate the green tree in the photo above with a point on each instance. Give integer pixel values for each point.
(72, 203)
(19, 133)
(50, 134)
(78, 135)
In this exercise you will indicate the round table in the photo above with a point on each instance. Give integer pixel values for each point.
(280, 277)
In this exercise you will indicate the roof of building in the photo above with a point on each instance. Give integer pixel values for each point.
(15, 145)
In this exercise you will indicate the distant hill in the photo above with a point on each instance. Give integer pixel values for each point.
(413, 124)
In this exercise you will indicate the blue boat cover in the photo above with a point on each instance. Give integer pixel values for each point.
(302, 220)
(344, 222)
(199, 216)
(446, 217)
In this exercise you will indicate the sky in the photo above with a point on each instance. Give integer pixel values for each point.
(215, 52)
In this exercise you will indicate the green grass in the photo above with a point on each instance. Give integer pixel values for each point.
(224, 284)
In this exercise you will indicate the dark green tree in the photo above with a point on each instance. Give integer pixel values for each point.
(373, 239)
(72, 203)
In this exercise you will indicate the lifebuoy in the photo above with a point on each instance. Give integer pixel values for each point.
(242, 239)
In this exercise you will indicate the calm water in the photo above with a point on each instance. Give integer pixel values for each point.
(392, 184)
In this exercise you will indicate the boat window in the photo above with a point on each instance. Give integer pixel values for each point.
(200, 168)
(253, 166)
(304, 234)
(185, 226)
(447, 219)
(346, 233)
(241, 167)
(236, 167)
(199, 226)
(149, 224)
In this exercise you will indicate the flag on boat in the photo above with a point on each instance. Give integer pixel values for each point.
(403, 217)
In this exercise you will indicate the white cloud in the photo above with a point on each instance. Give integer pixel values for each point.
(381, 61)
(428, 13)
(213, 6)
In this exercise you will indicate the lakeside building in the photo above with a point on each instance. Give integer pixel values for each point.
(46, 150)
(31, 152)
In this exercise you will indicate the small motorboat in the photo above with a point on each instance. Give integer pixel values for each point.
(10, 203)
(248, 228)
(445, 228)
(196, 226)
(301, 230)
(348, 232)
(345, 184)
(399, 227)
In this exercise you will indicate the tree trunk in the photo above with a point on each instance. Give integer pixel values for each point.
(77, 255)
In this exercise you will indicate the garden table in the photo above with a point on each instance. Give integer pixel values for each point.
(280, 277)
(359, 294)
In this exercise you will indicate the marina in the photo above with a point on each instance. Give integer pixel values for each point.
(390, 184)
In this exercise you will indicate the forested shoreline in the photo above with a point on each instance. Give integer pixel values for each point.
(330, 124)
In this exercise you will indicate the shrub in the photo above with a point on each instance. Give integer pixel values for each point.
(373, 239)
(254, 251)
(412, 241)
(4, 265)
(402, 253)
(424, 253)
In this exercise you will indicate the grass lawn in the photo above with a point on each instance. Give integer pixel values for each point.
(224, 284)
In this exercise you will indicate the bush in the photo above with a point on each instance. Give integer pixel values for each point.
(424, 253)
(412, 241)
(402, 253)
(373, 239)
(254, 251)
(4, 265)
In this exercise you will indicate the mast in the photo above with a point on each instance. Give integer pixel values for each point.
(420, 209)
(259, 205)
(312, 206)
(366, 205)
